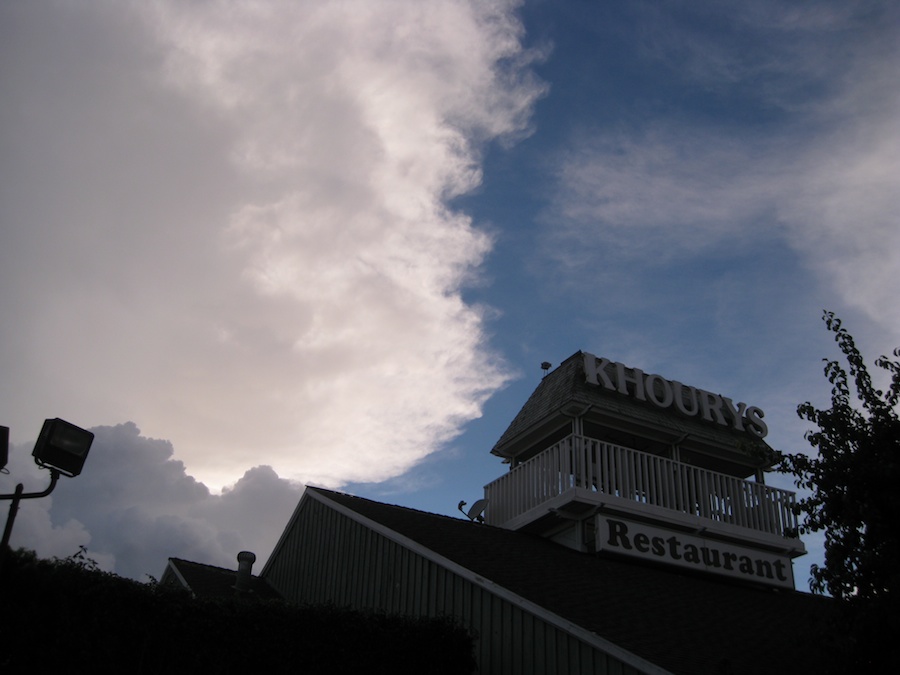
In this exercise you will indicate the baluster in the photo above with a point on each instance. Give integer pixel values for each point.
(638, 487)
(603, 478)
(703, 490)
(582, 462)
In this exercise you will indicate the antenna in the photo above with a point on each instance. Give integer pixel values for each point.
(476, 511)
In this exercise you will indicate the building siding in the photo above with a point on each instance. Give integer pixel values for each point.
(326, 557)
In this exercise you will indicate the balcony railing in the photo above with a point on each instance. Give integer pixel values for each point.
(640, 477)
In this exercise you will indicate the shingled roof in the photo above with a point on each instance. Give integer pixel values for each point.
(558, 389)
(683, 622)
(565, 392)
(209, 581)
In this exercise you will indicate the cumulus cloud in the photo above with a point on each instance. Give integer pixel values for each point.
(229, 222)
(134, 506)
(819, 174)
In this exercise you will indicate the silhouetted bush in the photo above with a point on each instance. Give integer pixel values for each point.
(64, 615)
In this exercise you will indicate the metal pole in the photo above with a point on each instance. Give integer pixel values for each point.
(16, 497)
(11, 518)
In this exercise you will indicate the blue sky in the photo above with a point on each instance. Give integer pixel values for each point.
(333, 242)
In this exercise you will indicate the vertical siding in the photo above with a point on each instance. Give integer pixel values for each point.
(329, 558)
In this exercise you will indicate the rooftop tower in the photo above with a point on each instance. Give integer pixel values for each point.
(606, 458)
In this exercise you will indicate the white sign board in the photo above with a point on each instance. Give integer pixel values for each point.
(648, 542)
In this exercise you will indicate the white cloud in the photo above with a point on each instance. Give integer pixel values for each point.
(228, 222)
(822, 175)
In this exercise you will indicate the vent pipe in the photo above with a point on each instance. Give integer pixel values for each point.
(245, 566)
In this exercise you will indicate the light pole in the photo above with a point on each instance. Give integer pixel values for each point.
(62, 448)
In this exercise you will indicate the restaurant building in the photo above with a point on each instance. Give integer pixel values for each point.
(633, 533)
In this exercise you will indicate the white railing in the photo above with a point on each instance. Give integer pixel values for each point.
(580, 462)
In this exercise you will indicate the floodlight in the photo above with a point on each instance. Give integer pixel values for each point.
(62, 446)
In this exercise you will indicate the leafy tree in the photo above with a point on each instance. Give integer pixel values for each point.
(854, 484)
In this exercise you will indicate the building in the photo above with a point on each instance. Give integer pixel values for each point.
(633, 533)
(627, 537)
(536, 606)
(209, 581)
(603, 456)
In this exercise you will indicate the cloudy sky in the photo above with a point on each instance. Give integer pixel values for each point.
(262, 244)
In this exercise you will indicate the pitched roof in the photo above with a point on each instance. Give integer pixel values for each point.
(683, 622)
(565, 392)
(557, 390)
(209, 581)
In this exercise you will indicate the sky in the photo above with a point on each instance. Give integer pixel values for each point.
(257, 245)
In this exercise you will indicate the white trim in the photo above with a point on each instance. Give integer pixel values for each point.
(284, 533)
(575, 630)
(602, 501)
(171, 566)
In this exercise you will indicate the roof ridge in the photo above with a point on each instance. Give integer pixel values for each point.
(455, 519)
(199, 564)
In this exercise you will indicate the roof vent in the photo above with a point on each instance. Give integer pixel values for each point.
(245, 566)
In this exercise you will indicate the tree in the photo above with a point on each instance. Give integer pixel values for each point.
(854, 485)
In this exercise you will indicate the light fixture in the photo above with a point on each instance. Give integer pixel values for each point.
(62, 446)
